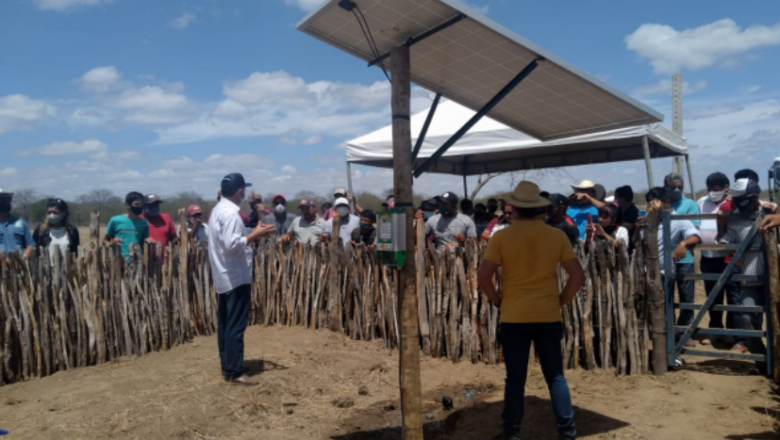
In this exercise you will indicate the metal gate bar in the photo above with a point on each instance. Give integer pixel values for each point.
(676, 346)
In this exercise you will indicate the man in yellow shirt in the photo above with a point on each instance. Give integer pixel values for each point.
(529, 253)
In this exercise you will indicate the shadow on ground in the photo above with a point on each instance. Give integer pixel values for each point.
(773, 412)
(254, 367)
(723, 367)
(482, 420)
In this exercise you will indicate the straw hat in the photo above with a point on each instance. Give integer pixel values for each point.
(526, 195)
(585, 184)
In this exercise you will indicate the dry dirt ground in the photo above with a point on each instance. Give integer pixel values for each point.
(321, 385)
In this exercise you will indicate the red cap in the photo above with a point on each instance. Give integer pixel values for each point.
(278, 196)
(193, 210)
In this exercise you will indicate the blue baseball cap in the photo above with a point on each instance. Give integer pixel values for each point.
(234, 181)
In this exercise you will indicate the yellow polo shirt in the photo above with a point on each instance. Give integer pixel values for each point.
(529, 253)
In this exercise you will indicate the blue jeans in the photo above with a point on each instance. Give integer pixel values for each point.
(516, 340)
(753, 296)
(732, 291)
(232, 319)
(685, 290)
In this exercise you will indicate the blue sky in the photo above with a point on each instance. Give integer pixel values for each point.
(162, 96)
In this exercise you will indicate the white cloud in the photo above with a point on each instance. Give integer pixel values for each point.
(230, 109)
(63, 5)
(311, 140)
(270, 88)
(665, 87)
(181, 22)
(289, 169)
(280, 104)
(152, 105)
(89, 117)
(8, 171)
(20, 112)
(306, 5)
(751, 89)
(713, 110)
(484, 9)
(100, 79)
(721, 42)
(89, 146)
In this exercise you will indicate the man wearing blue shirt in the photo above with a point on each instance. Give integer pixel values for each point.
(673, 186)
(15, 234)
(584, 204)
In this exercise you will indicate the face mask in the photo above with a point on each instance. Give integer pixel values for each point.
(492, 209)
(445, 212)
(5, 207)
(429, 214)
(152, 211)
(343, 211)
(280, 208)
(675, 195)
(55, 218)
(717, 196)
(743, 204)
(137, 210)
(365, 225)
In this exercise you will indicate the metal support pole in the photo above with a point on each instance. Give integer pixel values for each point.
(677, 117)
(690, 177)
(648, 163)
(424, 131)
(465, 188)
(349, 187)
(409, 351)
(474, 119)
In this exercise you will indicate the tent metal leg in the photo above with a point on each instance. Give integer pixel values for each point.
(690, 177)
(424, 131)
(648, 163)
(349, 187)
(474, 119)
(465, 188)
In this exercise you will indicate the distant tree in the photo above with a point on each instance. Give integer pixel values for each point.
(99, 199)
(307, 194)
(24, 199)
(189, 198)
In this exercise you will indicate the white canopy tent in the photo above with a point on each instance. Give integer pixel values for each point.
(491, 146)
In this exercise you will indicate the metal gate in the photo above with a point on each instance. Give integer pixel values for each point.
(675, 345)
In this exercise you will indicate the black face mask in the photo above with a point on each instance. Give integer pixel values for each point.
(744, 204)
(137, 210)
(5, 206)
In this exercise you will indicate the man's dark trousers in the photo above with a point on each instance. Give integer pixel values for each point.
(516, 340)
(232, 319)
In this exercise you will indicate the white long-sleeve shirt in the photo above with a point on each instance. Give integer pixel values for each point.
(229, 255)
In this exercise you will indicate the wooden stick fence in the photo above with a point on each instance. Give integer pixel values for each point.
(58, 314)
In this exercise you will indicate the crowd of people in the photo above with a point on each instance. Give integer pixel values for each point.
(529, 234)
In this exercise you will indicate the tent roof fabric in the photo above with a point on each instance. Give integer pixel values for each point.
(491, 146)
(471, 60)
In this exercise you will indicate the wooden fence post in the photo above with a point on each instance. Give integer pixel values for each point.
(334, 294)
(411, 398)
(655, 290)
(770, 240)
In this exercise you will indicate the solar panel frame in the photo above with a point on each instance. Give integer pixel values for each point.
(557, 100)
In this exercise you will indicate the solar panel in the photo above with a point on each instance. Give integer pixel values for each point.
(471, 60)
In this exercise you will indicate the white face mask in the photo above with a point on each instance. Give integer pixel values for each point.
(279, 209)
(717, 196)
(343, 211)
(55, 218)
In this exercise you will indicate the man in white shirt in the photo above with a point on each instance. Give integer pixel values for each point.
(347, 222)
(230, 255)
(714, 262)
